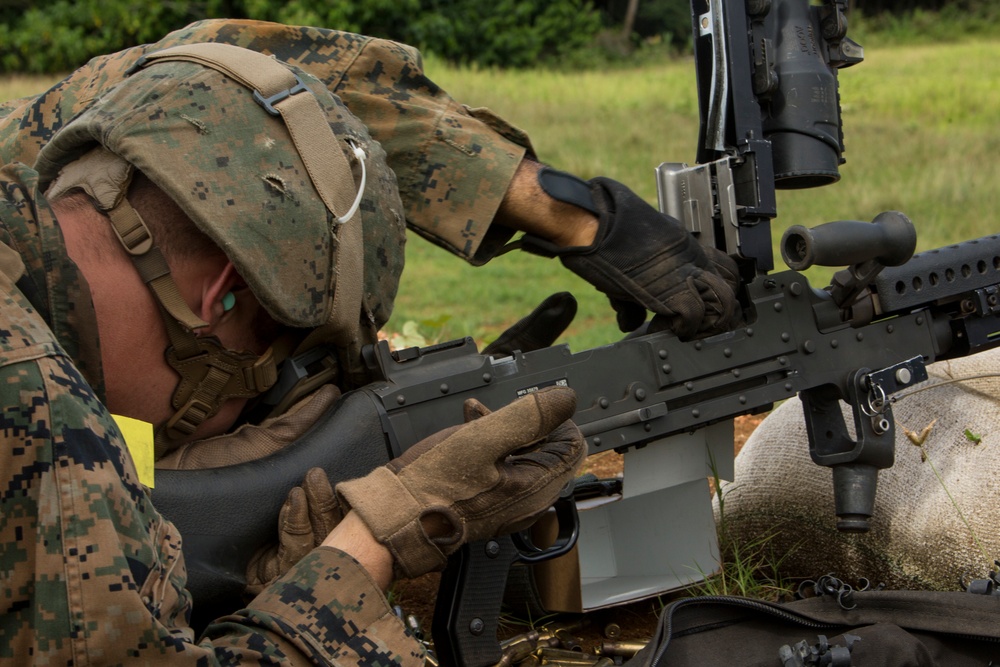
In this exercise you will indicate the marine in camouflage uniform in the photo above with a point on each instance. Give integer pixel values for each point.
(91, 572)
(82, 545)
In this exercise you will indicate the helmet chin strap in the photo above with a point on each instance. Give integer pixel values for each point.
(209, 373)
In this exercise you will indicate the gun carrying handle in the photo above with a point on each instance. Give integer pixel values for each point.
(889, 239)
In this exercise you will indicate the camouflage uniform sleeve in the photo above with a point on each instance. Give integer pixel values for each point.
(9, 107)
(329, 596)
(453, 163)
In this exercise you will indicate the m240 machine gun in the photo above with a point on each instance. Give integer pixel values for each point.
(767, 81)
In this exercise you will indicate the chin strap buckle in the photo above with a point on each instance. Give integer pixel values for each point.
(210, 377)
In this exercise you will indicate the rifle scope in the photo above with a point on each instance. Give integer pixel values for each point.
(799, 50)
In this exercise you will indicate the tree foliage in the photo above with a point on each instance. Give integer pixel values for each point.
(47, 36)
(667, 19)
(51, 36)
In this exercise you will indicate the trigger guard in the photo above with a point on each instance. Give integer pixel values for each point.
(569, 531)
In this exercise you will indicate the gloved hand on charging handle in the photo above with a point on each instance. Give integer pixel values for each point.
(493, 475)
(644, 260)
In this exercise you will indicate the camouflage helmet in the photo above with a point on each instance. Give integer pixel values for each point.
(233, 167)
(275, 170)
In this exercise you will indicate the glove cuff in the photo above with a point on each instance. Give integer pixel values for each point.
(392, 515)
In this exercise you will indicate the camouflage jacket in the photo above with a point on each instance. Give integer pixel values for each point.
(453, 163)
(92, 574)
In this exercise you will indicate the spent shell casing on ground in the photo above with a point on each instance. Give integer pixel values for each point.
(516, 652)
(568, 640)
(582, 662)
(561, 656)
(531, 635)
(624, 649)
(548, 639)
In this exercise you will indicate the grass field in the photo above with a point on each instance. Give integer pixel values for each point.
(921, 134)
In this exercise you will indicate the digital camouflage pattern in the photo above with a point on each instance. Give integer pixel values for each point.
(92, 573)
(52, 282)
(235, 171)
(453, 164)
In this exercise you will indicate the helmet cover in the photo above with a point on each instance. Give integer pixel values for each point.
(234, 170)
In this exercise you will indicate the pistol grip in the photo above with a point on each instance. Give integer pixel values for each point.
(467, 613)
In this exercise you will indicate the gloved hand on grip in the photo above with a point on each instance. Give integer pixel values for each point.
(493, 475)
(310, 512)
(645, 260)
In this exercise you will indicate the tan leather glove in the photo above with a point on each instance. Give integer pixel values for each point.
(310, 512)
(493, 475)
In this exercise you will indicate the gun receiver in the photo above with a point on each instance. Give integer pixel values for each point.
(649, 387)
(644, 389)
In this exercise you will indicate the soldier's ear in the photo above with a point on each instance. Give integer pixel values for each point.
(220, 293)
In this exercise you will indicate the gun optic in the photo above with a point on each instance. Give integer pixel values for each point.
(800, 49)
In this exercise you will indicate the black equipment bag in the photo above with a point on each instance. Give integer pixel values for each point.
(870, 628)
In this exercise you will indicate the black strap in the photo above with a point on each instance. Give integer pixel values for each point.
(566, 188)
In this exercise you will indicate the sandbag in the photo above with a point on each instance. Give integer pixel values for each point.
(918, 538)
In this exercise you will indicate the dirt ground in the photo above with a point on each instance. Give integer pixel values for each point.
(635, 621)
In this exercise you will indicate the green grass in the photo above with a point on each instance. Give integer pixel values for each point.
(920, 129)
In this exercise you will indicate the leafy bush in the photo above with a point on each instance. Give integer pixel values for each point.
(952, 22)
(53, 36)
(502, 33)
(58, 35)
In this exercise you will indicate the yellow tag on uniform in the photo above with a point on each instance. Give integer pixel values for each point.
(139, 440)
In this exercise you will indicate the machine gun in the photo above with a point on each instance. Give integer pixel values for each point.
(770, 119)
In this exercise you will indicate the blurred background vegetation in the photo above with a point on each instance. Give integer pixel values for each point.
(51, 36)
(920, 116)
